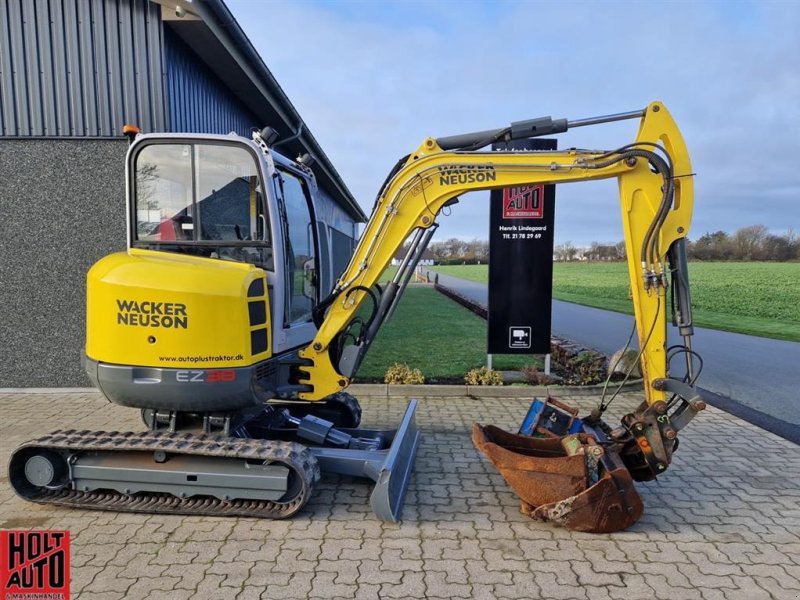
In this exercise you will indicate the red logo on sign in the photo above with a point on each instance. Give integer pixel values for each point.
(34, 564)
(525, 202)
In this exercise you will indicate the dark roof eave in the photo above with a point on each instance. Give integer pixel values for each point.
(222, 23)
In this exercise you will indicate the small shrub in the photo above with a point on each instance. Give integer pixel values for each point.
(587, 368)
(483, 376)
(559, 354)
(534, 376)
(578, 365)
(401, 373)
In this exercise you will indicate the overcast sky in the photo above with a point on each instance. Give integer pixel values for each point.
(373, 79)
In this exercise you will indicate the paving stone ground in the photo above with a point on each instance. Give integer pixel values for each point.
(723, 522)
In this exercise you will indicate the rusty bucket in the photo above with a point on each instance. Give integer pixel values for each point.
(560, 487)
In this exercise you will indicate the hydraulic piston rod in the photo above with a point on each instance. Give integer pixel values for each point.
(634, 114)
(528, 129)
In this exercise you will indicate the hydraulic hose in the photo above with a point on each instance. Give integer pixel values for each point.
(649, 250)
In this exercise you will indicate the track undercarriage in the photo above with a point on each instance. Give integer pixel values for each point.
(262, 462)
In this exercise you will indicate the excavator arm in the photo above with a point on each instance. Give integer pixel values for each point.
(655, 183)
(582, 481)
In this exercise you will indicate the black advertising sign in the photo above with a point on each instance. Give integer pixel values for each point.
(521, 262)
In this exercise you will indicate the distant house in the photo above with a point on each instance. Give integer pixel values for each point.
(425, 261)
(574, 255)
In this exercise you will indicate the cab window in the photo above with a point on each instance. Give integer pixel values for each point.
(300, 279)
(204, 199)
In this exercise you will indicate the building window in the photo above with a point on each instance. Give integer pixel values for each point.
(341, 250)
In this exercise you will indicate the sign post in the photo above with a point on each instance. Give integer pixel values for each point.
(521, 262)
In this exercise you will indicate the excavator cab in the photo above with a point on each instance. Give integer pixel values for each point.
(224, 231)
(223, 198)
(199, 325)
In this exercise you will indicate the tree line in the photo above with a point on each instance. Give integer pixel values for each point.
(753, 242)
(455, 251)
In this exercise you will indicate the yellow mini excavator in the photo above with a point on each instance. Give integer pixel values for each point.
(222, 324)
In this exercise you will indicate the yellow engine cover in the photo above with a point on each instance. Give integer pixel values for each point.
(157, 309)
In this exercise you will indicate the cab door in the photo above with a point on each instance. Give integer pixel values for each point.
(298, 273)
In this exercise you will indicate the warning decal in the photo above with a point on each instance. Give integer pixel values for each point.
(519, 337)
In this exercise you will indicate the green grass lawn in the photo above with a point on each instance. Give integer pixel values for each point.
(388, 274)
(434, 334)
(756, 298)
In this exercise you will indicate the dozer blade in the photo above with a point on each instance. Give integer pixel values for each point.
(392, 481)
(554, 486)
(390, 469)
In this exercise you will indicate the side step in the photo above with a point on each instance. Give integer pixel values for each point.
(183, 476)
(390, 469)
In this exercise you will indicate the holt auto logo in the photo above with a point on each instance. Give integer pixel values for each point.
(34, 565)
(526, 202)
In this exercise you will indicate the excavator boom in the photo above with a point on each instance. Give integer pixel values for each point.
(588, 484)
(432, 177)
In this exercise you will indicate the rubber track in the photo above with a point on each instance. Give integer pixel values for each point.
(294, 456)
(350, 404)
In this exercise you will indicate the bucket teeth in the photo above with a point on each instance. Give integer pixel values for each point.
(553, 486)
